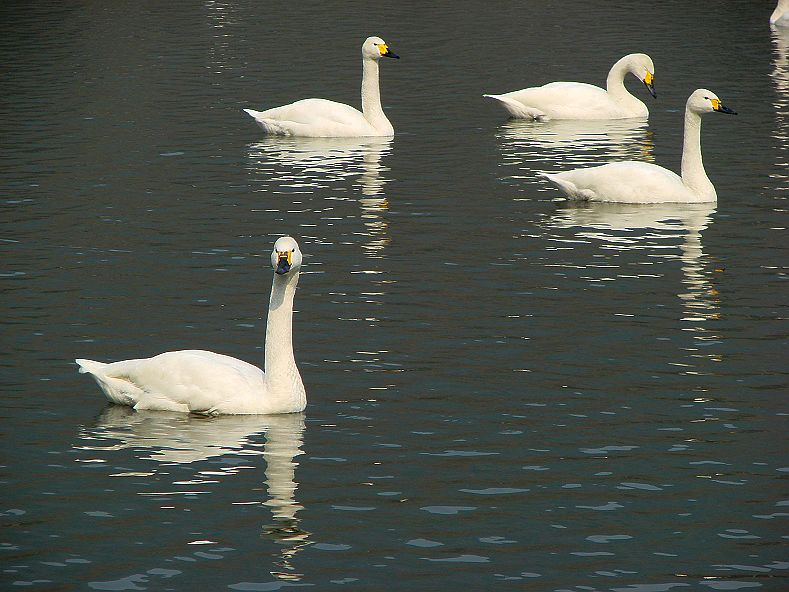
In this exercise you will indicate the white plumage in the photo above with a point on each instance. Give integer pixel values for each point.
(780, 16)
(578, 100)
(642, 182)
(321, 118)
(206, 382)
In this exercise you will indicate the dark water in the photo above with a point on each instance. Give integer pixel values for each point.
(505, 391)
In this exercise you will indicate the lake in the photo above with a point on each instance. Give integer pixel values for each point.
(505, 390)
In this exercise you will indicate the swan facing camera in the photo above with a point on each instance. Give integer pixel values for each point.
(286, 255)
(283, 265)
(201, 381)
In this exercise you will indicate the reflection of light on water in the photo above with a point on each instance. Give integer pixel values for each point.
(309, 165)
(219, 13)
(181, 439)
(220, 16)
(174, 437)
(641, 227)
(559, 145)
(780, 76)
(374, 203)
(284, 438)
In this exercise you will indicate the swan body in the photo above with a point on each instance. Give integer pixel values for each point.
(780, 16)
(578, 100)
(206, 382)
(643, 182)
(321, 118)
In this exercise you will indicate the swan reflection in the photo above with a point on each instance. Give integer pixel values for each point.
(306, 165)
(182, 439)
(649, 227)
(780, 76)
(559, 145)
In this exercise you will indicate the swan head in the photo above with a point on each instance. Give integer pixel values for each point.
(376, 48)
(286, 256)
(640, 64)
(706, 101)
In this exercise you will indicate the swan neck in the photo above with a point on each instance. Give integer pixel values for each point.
(694, 177)
(280, 364)
(615, 83)
(371, 97)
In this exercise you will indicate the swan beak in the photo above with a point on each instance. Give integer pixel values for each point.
(386, 52)
(283, 262)
(649, 82)
(720, 107)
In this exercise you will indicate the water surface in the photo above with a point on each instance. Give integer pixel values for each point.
(505, 390)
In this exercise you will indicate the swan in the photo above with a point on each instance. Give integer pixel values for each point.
(205, 382)
(321, 118)
(578, 100)
(633, 181)
(780, 16)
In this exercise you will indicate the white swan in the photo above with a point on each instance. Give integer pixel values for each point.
(205, 382)
(780, 16)
(578, 100)
(642, 182)
(321, 118)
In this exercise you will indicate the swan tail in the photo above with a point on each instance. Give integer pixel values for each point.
(117, 388)
(567, 187)
(252, 113)
(89, 366)
(518, 109)
(270, 126)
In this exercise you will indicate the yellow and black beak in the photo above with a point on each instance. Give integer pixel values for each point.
(720, 107)
(386, 52)
(649, 82)
(283, 262)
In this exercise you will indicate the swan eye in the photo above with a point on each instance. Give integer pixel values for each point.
(293, 250)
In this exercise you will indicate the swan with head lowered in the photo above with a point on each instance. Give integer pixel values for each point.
(643, 182)
(578, 100)
(205, 382)
(321, 118)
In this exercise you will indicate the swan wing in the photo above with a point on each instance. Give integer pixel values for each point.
(624, 182)
(313, 118)
(187, 380)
